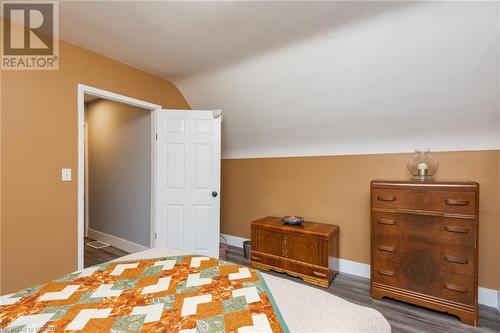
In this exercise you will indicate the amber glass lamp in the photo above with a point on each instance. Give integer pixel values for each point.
(423, 165)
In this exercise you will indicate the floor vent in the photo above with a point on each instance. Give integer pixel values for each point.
(97, 244)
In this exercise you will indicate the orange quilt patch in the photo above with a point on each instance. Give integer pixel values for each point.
(185, 294)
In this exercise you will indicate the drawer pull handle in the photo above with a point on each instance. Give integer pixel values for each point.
(454, 287)
(386, 248)
(386, 198)
(453, 202)
(386, 272)
(456, 260)
(388, 222)
(453, 228)
(323, 275)
(256, 258)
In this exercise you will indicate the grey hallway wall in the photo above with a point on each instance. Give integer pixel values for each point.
(119, 142)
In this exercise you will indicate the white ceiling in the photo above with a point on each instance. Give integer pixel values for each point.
(178, 38)
(316, 78)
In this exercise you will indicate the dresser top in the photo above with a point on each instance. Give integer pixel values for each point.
(449, 185)
(316, 229)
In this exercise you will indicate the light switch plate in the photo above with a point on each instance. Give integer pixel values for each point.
(65, 175)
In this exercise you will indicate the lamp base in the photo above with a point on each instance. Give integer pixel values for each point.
(422, 178)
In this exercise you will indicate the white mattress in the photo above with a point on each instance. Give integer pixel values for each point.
(304, 308)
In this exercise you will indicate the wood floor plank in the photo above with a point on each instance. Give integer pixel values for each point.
(98, 256)
(403, 317)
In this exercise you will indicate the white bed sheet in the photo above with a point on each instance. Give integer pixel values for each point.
(304, 308)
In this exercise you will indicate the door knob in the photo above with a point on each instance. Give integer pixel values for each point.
(214, 194)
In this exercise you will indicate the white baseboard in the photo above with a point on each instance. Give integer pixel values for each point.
(117, 242)
(488, 297)
(354, 268)
(234, 240)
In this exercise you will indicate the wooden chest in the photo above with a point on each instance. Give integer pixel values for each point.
(309, 251)
(424, 244)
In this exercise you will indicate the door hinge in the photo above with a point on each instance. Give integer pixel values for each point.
(156, 135)
(155, 235)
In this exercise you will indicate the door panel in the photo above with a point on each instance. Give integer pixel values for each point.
(187, 173)
(203, 157)
(202, 215)
(203, 126)
(174, 125)
(174, 226)
(174, 172)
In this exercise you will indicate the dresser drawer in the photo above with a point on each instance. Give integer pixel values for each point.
(433, 229)
(451, 202)
(421, 255)
(454, 287)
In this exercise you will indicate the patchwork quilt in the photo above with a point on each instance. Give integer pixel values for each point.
(185, 294)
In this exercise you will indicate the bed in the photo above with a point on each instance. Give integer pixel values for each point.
(305, 308)
(108, 298)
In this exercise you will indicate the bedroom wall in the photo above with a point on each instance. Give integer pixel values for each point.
(119, 141)
(335, 190)
(38, 138)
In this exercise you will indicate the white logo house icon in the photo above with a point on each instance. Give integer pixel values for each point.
(18, 22)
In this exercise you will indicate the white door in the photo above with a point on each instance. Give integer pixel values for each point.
(188, 181)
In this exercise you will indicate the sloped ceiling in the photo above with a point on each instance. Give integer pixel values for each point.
(316, 78)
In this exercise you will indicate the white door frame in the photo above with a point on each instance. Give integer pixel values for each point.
(86, 177)
(82, 90)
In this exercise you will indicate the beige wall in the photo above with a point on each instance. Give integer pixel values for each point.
(119, 158)
(335, 190)
(38, 138)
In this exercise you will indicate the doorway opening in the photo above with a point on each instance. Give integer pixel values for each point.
(116, 196)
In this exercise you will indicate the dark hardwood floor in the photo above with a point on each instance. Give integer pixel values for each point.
(98, 256)
(402, 317)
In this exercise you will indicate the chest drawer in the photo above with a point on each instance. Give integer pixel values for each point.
(262, 258)
(455, 287)
(433, 229)
(309, 270)
(451, 202)
(446, 258)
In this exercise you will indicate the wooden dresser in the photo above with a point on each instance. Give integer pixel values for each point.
(424, 244)
(309, 251)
